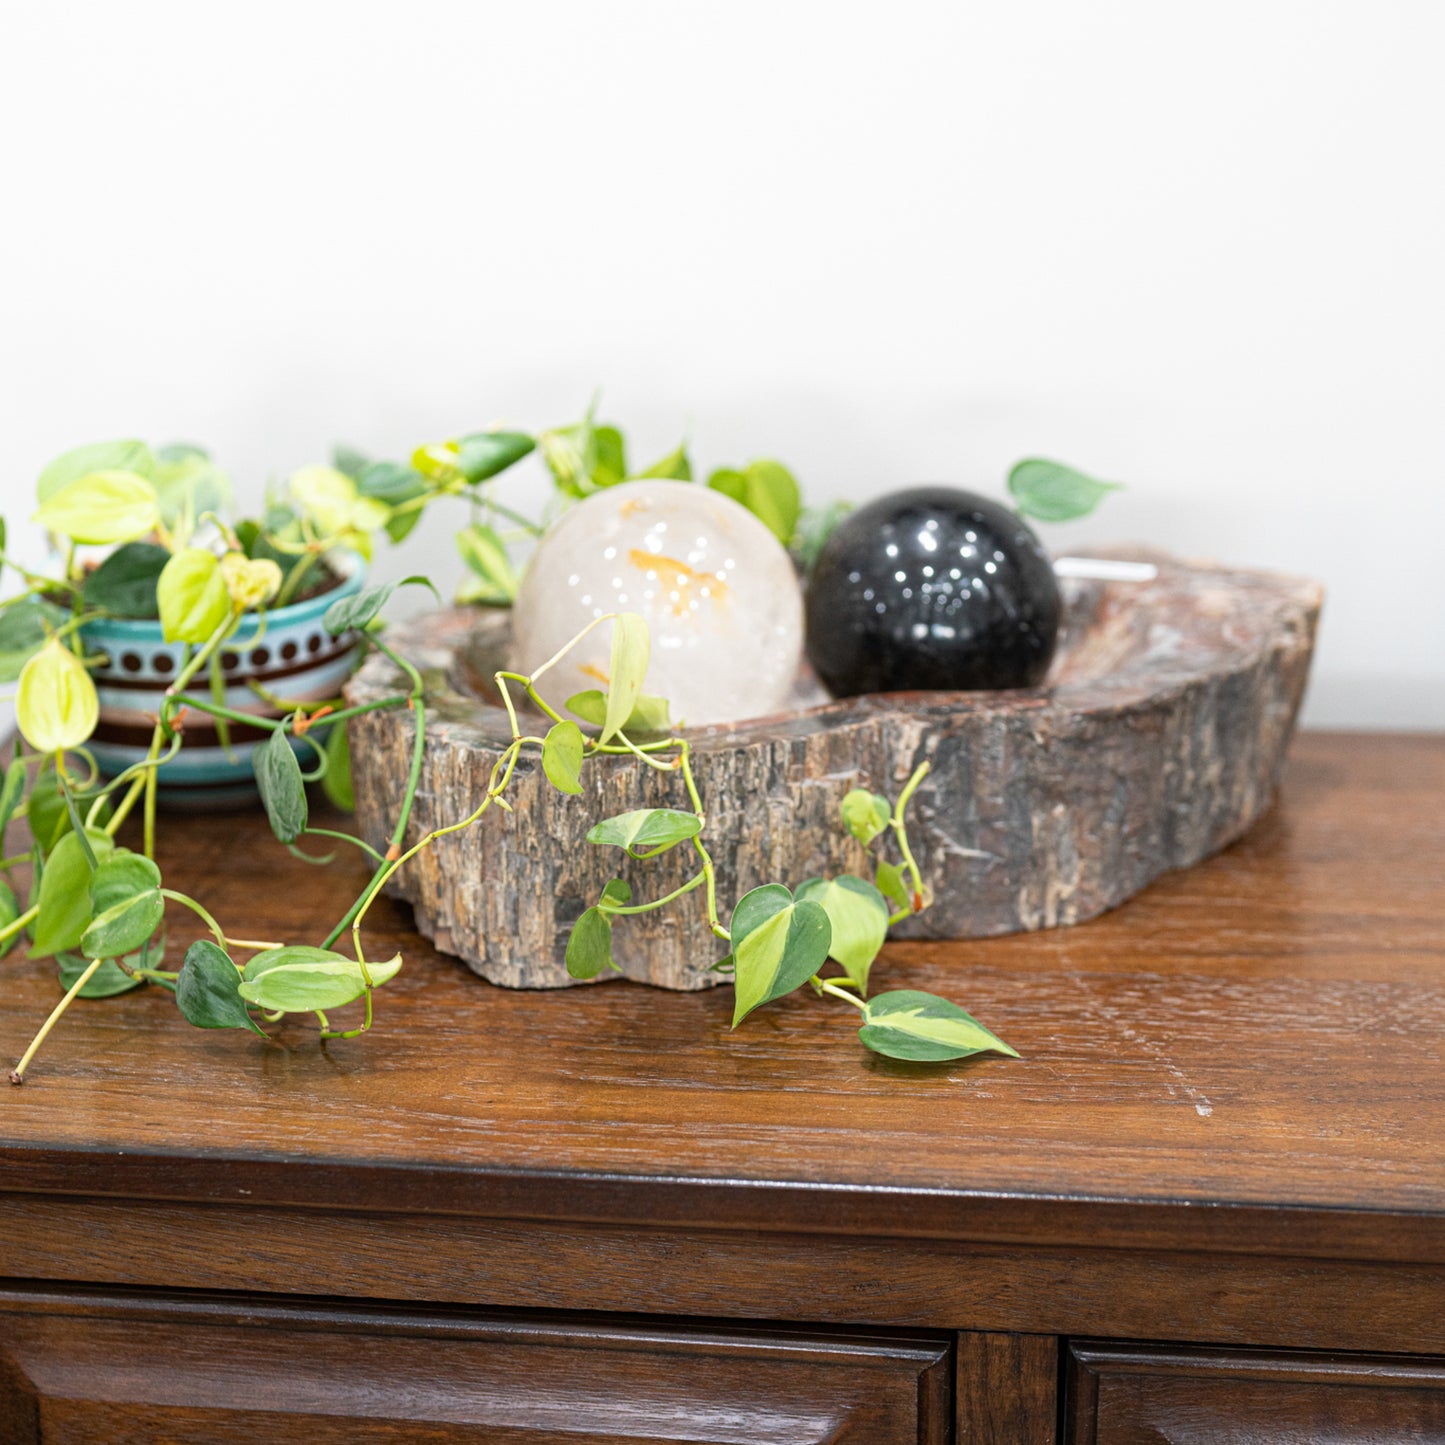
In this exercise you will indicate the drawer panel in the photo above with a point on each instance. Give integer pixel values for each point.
(1147, 1395)
(77, 1368)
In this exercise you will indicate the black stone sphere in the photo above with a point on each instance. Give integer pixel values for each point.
(932, 588)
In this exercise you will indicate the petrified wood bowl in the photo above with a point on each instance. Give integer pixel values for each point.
(1157, 740)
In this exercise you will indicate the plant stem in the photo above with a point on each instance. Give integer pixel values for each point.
(20, 924)
(687, 887)
(345, 838)
(900, 831)
(17, 1075)
(825, 986)
(197, 909)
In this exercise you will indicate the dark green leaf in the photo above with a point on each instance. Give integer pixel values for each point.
(858, 917)
(676, 466)
(208, 990)
(357, 611)
(908, 1024)
(609, 465)
(589, 946)
(47, 814)
(126, 904)
(615, 892)
(22, 631)
(391, 482)
(485, 453)
(1052, 492)
(299, 978)
(631, 651)
(649, 713)
(562, 757)
(336, 780)
(107, 981)
(647, 831)
(278, 777)
(865, 814)
(124, 585)
(768, 490)
(778, 944)
(65, 909)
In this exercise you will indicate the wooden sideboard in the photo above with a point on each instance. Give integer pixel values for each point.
(1207, 1205)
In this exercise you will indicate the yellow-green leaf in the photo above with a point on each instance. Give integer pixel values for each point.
(859, 919)
(56, 705)
(631, 651)
(101, 508)
(192, 596)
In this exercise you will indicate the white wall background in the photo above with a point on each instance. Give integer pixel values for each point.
(1200, 249)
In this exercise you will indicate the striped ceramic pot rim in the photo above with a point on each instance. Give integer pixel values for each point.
(289, 653)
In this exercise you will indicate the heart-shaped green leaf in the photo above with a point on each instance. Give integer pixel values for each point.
(65, 909)
(768, 490)
(71, 466)
(778, 944)
(299, 978)
(589, 946)
(609, 460)
(1052, 492)
(191, 596)
(892, 886)
(109, 980)
(357, 611)
(48, 814)
(208, 990)
(23, 630)
(631, 650)
(646, 832)
(562, 757)
(124, 585)
(858, 917)
(650, 714)
(485, 453)
(278, 778)
(126, 904)
(908, 1024)
(101, 508)
(865, 814)
(675, 466)
(389, 482)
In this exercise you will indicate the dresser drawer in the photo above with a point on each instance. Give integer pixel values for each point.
(82, 1368)
(1147, 1395)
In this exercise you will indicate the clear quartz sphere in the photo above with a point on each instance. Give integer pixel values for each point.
(718, 591)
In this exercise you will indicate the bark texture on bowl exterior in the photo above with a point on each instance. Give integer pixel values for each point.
(1156, 740)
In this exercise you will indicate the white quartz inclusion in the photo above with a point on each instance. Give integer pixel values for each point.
(718, 591)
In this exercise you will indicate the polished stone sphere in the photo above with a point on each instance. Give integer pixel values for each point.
(931, 588)
(718, 592)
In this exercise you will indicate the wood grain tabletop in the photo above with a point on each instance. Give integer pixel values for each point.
(1246, 1056)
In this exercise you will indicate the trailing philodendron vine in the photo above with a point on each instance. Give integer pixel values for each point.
(101, 908)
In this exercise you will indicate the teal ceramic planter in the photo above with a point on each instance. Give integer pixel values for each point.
(289, 653)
